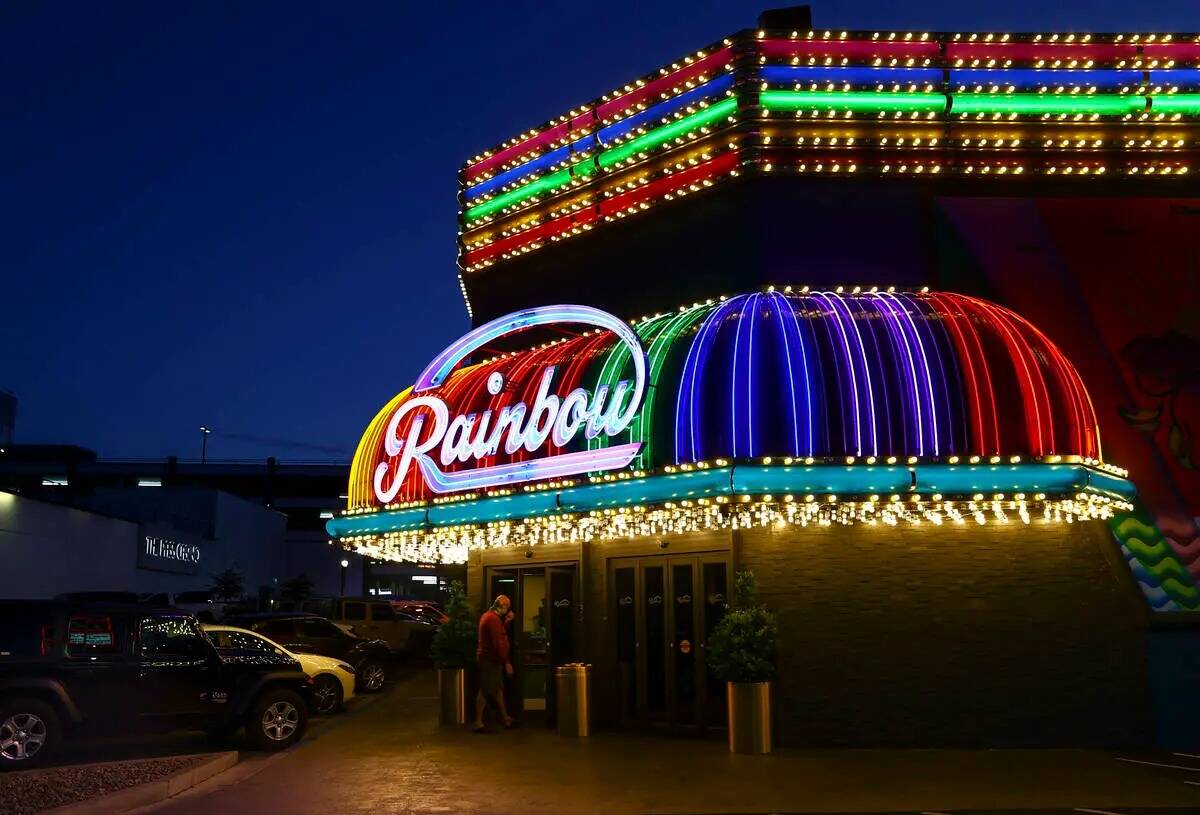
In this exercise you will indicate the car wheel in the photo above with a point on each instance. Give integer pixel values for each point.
(327, 695)
(371, 676)
(29, 733)
(277, 720)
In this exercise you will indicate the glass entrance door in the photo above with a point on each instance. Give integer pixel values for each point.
(542, 631)
(664, 609)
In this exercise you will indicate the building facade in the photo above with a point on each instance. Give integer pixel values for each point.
(170, 542)
(305, 495)
(916, 478)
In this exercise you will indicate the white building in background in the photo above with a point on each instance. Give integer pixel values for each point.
(138, 540)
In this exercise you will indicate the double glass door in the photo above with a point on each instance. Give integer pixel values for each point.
(542, 631)
(665, 608)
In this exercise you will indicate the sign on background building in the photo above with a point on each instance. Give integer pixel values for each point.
(163, 550)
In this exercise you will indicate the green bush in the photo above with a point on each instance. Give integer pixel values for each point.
(742, 646)
(454, 643)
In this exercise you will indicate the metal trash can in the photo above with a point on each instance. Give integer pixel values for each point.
(574, 687)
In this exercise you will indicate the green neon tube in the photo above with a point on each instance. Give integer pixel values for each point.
(658, 336)
(541, 185)
(1033, 103)
(1186, 103)
(853, 100)
(664, 134)
(642, 427)
(615, 364)
(647, 141)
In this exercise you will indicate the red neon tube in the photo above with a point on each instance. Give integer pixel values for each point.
(1172, 50)
(710, 169)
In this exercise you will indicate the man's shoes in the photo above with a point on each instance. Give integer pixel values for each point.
(479, 728)
(511, 724)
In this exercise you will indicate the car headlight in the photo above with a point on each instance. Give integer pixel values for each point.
(347, 667)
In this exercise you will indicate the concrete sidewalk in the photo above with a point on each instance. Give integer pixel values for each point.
(395, 759)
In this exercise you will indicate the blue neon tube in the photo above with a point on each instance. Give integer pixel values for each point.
(1028, 78)
(1180, 77)
(965, 479)
(518, 173)
(651, 115)
(823, 479)
(605, 136)
(525, 505)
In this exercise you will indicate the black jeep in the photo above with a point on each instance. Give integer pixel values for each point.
(88, 667)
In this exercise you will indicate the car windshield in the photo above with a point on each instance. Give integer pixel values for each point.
(244, 641)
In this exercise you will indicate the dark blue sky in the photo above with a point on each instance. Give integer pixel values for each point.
(242, 214)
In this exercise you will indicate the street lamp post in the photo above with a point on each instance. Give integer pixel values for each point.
(204, 431)
(345, 565)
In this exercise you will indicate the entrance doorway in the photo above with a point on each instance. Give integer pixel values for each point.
(665, 608)
(542, 633)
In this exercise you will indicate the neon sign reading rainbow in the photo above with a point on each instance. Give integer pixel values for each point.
(809, 374)
(518, 429)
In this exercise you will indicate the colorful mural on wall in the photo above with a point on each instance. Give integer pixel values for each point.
(1115, 281)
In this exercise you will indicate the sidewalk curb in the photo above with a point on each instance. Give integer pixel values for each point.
(152, 791)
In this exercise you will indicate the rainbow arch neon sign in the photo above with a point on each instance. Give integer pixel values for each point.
(422, 433)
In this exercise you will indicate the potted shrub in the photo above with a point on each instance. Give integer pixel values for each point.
(741, 651)
(453, 652)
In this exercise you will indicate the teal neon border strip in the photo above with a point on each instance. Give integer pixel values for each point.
(950, 480)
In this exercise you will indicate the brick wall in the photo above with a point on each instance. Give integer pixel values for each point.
(986, 636)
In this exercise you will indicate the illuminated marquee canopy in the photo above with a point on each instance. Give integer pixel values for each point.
(863, 393)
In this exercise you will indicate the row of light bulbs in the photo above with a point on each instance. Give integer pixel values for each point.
(1141, 61)
(575, 230)
(575, 113)
(997, 169)
(575, 135)
(599, 172)
(531, 219)
(1067, 38)
(454, 544)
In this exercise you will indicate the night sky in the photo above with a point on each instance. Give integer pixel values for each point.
(243, 214)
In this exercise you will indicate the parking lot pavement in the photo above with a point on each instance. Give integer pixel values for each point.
(394, 758)
(89, 750)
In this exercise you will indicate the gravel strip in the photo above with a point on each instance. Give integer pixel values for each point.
(34, 790)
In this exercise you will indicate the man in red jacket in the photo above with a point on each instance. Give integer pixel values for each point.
(492, 653)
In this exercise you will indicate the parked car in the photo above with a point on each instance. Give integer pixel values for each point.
(311, 634)
(68, 668)
(424, 610)
(377, 619)
(333, 679)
